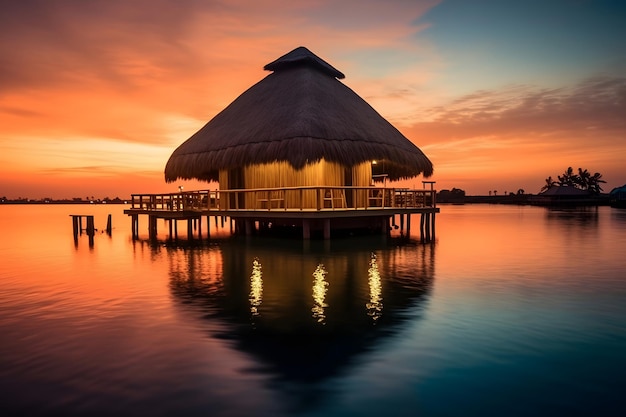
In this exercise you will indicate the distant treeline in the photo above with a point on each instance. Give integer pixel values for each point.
(22, 200)
(457, 196)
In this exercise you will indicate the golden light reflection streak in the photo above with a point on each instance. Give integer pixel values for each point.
(256, 287)
(319, 293)
(375, 305)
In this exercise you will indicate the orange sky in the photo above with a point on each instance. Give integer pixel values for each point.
(96, 95)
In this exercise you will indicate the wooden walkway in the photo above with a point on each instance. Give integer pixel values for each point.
(314, 209)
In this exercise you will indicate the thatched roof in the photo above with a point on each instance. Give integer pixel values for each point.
(618, 190)
(564, 190)
(299, 113)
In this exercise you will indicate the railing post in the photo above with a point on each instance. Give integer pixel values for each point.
(319, 198)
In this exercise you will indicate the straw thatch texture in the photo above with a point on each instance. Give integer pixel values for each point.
(300, 114)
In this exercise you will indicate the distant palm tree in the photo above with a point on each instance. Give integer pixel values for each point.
(582, 179)
(549, 184)
(568, 178)
(594, 183)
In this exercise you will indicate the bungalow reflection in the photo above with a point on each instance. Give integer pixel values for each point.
(304, 315)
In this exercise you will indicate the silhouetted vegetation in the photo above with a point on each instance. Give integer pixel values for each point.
(75, 200)
(455, 195)
(583, 180)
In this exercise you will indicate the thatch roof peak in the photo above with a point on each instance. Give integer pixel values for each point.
(302, 56)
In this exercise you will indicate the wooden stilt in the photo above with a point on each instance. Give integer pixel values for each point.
(433, 225)
(408, 225)
(190, 229)
(152, 227)
(326, 228)
(306, 229)
(135, 226)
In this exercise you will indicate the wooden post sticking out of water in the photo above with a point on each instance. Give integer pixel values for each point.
(109, 225)
(90, 227)
(75, 225)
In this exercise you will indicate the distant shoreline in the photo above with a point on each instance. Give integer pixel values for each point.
(7, 202)
(522, 199)
(519, 199)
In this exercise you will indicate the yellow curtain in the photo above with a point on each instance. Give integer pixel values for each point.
(283, 175)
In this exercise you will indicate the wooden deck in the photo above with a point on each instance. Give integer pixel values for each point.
(312, 208)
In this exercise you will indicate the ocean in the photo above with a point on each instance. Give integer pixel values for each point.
(511, 311)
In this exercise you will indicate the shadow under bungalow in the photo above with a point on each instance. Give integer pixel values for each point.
(300, 152)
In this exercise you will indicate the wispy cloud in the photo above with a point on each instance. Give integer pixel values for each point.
(596, 105)
(118, 68)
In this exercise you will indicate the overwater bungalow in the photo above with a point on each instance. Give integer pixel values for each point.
(617, 197)
(565, 195)
(298, 150)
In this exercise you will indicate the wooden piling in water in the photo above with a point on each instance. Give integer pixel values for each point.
(90, 226)
(152, 227)
(190, 229)
(77, 228)
(408, 224)
(135, 226)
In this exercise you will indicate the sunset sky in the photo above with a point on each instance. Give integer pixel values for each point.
(95, 95)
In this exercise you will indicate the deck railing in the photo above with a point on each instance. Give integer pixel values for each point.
(287, 199)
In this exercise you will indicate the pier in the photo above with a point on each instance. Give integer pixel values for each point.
(317, 211)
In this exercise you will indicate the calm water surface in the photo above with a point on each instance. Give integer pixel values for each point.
(513, 311)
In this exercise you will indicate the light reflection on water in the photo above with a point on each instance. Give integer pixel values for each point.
(515, 310)
(375, 304)
(256, 287)
(319, 293)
